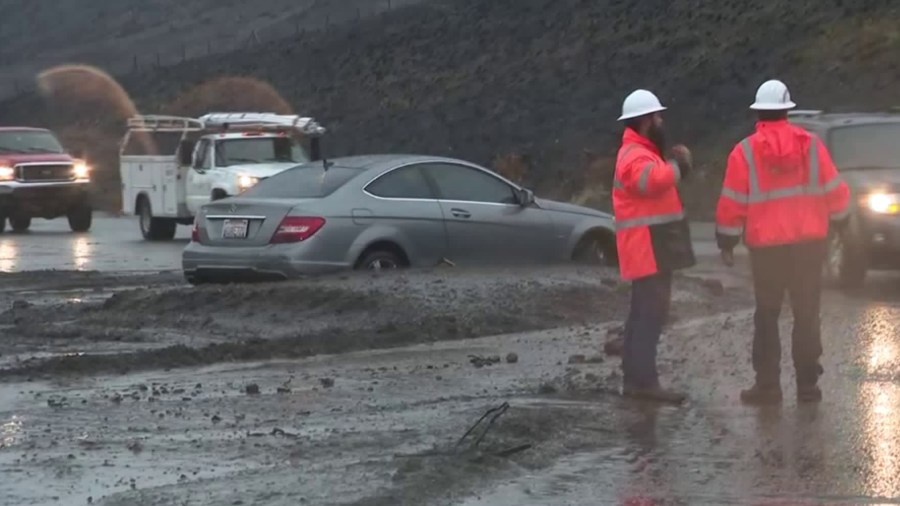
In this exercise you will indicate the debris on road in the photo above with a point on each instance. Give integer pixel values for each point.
(479, 361)
(326, 382)
(491, 416)
(512, 358)
(577, 359)
(252, 389)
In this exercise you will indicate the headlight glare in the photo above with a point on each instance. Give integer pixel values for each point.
(883, 203)
(245, 182)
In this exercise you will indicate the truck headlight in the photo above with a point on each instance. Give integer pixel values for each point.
(7, 173)
(81, 171)
(246, 182)
(882, 203)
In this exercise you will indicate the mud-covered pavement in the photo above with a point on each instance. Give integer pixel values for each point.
(125, 389)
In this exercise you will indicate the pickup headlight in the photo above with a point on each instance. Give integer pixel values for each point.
(7, 173)
(81, 171)
(247, 182)
(882, 203)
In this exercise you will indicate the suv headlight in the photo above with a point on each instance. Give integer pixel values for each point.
(882, 203)
(81, 170)
(246, 182)
(7, 173)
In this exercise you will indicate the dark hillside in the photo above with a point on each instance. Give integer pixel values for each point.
(543, 79)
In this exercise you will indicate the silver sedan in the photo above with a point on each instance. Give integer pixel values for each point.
(387, 211)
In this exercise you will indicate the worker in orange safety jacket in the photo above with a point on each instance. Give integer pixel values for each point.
(652, 237)
(781, 193)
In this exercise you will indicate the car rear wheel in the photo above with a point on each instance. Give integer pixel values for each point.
(80, 218)
(845, 264)
(380, 261)
(154, 229)
(20, 223)
(595, 249)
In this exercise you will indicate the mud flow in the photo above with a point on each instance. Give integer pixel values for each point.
(485, 387)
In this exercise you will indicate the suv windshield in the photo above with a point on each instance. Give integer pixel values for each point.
(866, 146)
(29, 141)
(304, 182)
(259, 150)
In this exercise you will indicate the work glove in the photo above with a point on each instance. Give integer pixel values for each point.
(684, 159)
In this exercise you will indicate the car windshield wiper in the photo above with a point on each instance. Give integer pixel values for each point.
(42, 150)
(10, 150)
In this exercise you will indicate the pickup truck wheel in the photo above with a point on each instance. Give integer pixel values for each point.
(845, 264)
(19, 223)
(2, 223)
(80, 218)
(154, 229)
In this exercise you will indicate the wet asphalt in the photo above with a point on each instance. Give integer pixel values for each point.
(112, 244)
(376, 427)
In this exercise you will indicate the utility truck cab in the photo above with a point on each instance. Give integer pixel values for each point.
(171, 166)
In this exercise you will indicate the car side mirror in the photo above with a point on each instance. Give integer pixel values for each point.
(186, 152)
(524, 197)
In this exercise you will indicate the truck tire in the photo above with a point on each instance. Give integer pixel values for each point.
(845, 262)
(19, 223)
(154, 229)
(2, 223)
(80, 218)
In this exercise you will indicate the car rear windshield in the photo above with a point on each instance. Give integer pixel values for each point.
(864, 146)
(29, 141)
(303, 182)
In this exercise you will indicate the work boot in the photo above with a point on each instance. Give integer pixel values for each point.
(653, 394)
(809, 393)
(761, 394)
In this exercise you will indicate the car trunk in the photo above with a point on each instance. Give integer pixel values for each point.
(243, 222)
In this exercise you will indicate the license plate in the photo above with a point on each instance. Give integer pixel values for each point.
(235, 229)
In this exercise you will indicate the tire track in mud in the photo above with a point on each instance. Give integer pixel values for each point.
(167, 327)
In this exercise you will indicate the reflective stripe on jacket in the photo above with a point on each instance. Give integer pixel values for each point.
(651, 230)
(781, 187)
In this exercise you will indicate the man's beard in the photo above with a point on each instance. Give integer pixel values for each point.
(657, 135)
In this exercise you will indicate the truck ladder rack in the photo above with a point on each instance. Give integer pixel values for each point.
(262, 121)
(156, 123)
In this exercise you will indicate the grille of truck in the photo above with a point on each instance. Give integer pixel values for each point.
(45, 172)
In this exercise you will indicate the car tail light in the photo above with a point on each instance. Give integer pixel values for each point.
(297, 228)
(195, 231)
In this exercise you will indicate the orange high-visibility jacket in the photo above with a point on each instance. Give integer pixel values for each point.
(652, 233)
(781, 187)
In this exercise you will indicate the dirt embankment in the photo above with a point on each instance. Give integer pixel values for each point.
(159, 327)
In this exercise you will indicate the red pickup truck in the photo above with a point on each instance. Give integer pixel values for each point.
(38, 179)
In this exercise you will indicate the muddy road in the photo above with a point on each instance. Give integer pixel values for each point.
(132, 388)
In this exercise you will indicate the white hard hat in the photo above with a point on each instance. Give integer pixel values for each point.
(640, 103)
(773, 96)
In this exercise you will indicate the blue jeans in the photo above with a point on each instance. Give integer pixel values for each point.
(650, 299)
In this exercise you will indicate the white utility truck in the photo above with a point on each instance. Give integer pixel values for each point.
(170, 166)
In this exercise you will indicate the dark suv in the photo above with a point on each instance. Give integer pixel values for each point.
(866, 149)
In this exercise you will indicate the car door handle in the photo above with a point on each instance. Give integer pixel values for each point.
(460, 213)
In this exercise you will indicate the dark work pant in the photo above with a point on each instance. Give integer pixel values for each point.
(650, 299)
(797, 270)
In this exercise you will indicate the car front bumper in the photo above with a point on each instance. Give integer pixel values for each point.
(279, 261)
(881, 238)
(47, 200)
